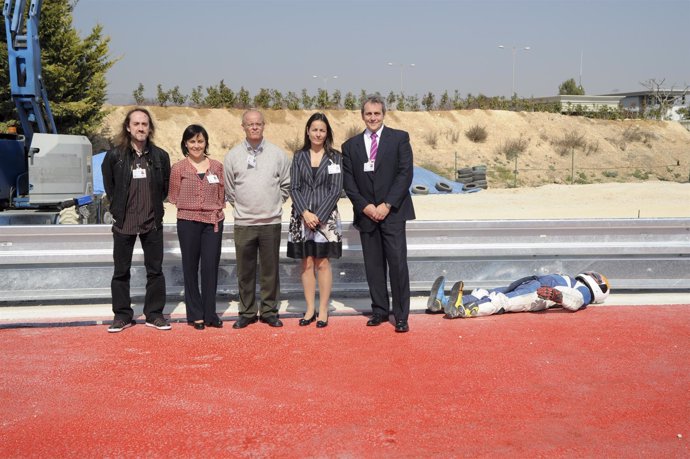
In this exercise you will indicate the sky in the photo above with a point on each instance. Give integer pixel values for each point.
(607, 45)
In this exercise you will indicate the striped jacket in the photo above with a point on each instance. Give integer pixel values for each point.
(317, 193)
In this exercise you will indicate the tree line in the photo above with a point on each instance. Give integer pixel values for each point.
(74, 73)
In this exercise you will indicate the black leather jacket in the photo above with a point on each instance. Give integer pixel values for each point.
(117, 175)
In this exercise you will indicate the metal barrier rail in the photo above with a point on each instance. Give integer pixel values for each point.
(75, 262)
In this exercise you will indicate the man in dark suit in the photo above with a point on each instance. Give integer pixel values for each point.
(377, 174)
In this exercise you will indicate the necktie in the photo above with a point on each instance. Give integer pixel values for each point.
(374, 147)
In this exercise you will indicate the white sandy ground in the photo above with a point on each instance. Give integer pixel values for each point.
(655, 199)
(611, 200)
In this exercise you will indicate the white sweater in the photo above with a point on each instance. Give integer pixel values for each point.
(257, 192)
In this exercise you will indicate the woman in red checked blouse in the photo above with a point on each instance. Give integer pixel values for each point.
(198, 191)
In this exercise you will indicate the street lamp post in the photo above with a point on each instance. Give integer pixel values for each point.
(402, 66)
(514, 48)
(325, 79)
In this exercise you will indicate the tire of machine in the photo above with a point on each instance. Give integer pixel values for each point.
(469, 186)
(465, 171)
(444, 187)
(479, 176)
(481, 184)
(480, 168)
(420, 189)
(465, 178)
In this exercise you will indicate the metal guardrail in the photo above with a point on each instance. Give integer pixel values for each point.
(53, 262)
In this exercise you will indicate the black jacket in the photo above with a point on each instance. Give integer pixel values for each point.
(389, 183)
(117, 175)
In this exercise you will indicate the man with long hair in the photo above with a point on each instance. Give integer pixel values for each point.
(135, 177)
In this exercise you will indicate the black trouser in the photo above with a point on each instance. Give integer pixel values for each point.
(264, 239)
(200, 245)
(385, 255)
(154, 301)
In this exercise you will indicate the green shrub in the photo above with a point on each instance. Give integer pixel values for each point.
(502, 175)
(582, 178)
(452, 135)
(642, 175)
(476, 133)
(431, 138)
(512, 148)
(570, 142)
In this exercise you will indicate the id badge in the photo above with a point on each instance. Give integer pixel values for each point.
(212, 178)
(139, 173)
(251, 160)
(369, 166)
(334, 168)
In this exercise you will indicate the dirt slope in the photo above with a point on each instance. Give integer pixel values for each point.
(601, 151)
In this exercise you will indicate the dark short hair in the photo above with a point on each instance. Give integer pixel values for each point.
(189, 133)
(374, 99)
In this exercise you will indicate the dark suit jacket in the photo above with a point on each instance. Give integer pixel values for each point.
(318, 194)
(390, 182)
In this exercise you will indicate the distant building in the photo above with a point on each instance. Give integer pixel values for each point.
(648, 100)
(573, 103)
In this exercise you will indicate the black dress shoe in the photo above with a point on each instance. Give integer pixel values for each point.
(376, 320)
(216, 324)
(402, 327)
(305, 322)
(244, 321)
(272, 321)
(322, 323)
(199, 326)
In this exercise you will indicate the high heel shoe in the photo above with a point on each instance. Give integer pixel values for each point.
(304, 322)
(217, 324)
(321, 324)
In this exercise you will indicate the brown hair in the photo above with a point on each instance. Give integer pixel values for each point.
(124, 137)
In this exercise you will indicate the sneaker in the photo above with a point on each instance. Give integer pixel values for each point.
(434, 305)
(454, 308)
(118, 325)
(160, 323)
(471, 310)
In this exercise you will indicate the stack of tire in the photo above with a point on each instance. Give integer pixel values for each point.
(473, 177)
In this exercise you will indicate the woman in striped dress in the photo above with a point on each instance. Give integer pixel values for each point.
(315, 235)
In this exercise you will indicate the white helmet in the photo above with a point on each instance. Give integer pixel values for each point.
(597, 283)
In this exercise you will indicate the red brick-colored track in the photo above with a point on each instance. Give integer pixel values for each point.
(603, 382)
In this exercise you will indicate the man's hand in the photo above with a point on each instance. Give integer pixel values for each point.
(376, 213)
(382, 211)
(551, 294)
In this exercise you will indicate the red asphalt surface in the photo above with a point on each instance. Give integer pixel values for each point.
(603, 382)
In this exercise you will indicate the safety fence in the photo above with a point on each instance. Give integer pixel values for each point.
(74, 262)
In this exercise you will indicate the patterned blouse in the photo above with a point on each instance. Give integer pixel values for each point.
(198, 199)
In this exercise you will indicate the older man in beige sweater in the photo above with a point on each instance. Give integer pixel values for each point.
(257, 183)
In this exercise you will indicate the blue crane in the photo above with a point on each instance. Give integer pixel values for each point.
(39, 168)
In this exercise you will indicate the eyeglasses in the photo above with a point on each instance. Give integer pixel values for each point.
(254, 125)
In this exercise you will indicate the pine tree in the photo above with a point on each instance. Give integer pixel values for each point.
(74, 70)
(138, 95)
